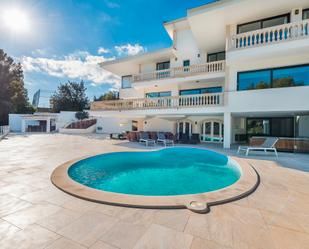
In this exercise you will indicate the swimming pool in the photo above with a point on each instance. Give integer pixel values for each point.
(166, 172)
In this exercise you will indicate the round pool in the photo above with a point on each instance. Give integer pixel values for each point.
(171, 171)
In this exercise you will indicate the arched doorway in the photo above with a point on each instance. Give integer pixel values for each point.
(212, 131)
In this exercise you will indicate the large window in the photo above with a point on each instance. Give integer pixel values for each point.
(126, 81)
(263, 23)
(163, 65)
(216, 56)
(201, 90)
(274, 78)
(275, 127)
(306, 14)
(158, 94)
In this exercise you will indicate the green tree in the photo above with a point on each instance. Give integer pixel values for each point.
(81, 115)
(110, 95)
(13, 95)
(70, 96)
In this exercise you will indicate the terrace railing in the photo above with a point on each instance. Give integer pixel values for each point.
(272, 35)
(211, 67)
(184, 101)
(4, 130)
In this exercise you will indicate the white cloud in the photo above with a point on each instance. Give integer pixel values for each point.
(79, 65)
(130, 49)
(102, 50)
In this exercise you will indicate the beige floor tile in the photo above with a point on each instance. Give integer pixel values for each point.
(160, 237)
(289, 239)
(175, 219)
(7, 229)
(30, 215)
(88, 228)
(33, 237)
(199, 243)
(79, 205)
(63, 243)
(102, 245)
(10, 204)
(123, 235)
(59, 219)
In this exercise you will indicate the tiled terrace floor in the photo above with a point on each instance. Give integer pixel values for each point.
(35, 214)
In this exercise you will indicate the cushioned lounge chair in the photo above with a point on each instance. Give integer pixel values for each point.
(267, 145)
(144, 138)
(162, 139)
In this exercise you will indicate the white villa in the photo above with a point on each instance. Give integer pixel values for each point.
(236, 69)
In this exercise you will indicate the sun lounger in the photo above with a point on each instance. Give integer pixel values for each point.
(162, 139)
(144, 138)
(268, 145)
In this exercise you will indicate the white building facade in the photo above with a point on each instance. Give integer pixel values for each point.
(236, 69)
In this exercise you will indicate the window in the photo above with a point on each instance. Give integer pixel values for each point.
(158, 94)
(254, 80)
(275, 127)
(126, 81)
(163, 65)
(186, 63)
(201, 90)
(134, 125)
(264, 23)
(274, 78)
(216, 56)
(306, 14)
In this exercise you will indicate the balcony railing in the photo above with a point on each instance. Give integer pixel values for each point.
(185, 101)
(211, 67)
(272, 35)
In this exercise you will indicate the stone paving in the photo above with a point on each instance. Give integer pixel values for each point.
(35, 214)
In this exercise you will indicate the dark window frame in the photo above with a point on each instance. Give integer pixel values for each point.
(163, 63)
(129, 75)
(184, 62)
(147, 94)
(272, 69)
(303, 14)
(198, 89)
(211, 54)
(288, 15)
(270, 119)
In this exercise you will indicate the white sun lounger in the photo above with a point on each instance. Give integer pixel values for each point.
(144, 138)
(268, 145)
(162, 139)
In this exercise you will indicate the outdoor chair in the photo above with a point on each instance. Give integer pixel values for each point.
(267, 145)
(144, 138)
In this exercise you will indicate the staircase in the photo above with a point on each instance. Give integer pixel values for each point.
(80, 127)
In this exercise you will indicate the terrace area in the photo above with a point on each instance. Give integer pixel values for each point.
(35, 214)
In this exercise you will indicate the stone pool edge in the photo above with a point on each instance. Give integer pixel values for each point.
(246, 185)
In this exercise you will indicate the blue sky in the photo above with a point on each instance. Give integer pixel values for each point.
(66, 39)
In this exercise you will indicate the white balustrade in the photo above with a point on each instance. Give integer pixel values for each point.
(275, 34)
(211, 67)
(183, 101)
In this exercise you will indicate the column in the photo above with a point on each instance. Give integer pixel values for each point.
(48, 125)
(23, 125)
(227, 130)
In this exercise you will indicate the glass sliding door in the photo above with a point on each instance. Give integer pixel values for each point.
(212, 131)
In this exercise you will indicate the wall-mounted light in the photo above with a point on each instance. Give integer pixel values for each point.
(296, 12)
(198, 55)
(195, 122)
(145, 122)
(176, 59)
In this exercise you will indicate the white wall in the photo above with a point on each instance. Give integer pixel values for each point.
(156, 124)
(64, 118)
(113, 125)
(15, 122)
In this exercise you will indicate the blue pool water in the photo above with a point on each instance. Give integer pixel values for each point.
(171, 171)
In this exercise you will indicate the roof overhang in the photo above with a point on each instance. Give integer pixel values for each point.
(208, 22)
(130, 65)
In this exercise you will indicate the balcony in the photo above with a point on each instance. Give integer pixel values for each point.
(272, 35)
(177, 72)
(185, 101)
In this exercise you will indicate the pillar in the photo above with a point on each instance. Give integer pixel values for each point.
(48, 125)
(23, 125)
(227, 130)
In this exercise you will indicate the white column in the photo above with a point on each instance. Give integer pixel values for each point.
(227, 130)
(48, 125)
(23, 125)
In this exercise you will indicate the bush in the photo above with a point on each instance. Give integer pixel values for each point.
(81, 115)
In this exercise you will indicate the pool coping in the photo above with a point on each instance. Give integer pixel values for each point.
(246, 185)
